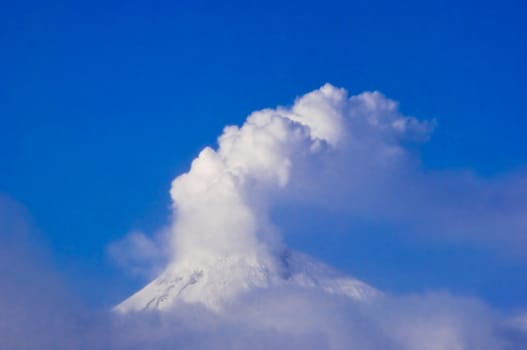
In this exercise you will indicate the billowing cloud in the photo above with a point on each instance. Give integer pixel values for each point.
(223, 238)
(358, 154)
(221, 203)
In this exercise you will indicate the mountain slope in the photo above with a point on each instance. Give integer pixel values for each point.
(219, 280)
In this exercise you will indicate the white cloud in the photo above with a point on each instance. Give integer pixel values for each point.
(221, 202)
(356, 154)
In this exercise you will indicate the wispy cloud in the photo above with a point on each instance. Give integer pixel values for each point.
(139, 254)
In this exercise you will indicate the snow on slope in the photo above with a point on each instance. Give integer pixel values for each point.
(222, 279)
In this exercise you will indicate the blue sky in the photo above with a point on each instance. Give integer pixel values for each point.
(102, 104)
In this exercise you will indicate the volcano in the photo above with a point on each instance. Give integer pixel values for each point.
(223, 241)
(218, 281)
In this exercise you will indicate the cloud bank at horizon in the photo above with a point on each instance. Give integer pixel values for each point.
(39, 313)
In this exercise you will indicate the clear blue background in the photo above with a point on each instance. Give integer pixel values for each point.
(102, 103)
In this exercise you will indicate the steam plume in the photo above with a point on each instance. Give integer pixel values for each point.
(220, 203)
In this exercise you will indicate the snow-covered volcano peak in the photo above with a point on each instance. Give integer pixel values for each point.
(220, 280)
